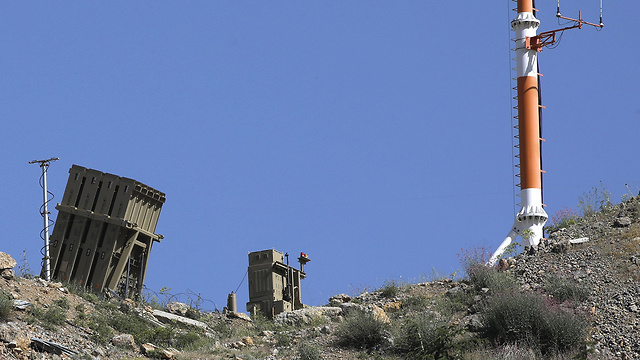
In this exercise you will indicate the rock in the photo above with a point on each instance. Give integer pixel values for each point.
(8, 274)
(339, 299)
(238, 315)
(54, 285)
(237, 345)
(168, 318)
(13, 333)
(247, 340)
(623, 221)
(325, 329)
(308, 316)
(98, 352)
(127, 305)
(6, 261)
(380, 315)
(581, 240)
(147, 348)
(473, 323)
(502, 265)
(374, 310)
(21, 304)
(153, 351)
(177, 308)
(124, 341)
(392, 306)
(457, 291)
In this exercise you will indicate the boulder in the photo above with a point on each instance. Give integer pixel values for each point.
(239, 315)
(309, 316)
(12, 333)
(21, 304)
(392, 306)
(339, 299)
(127, 305)
(124, 341)
(473, 323)
(374, 310)
(166, 317)
(8, 274)
(6, 261)
(247, 340)
(177, 308)
(623, 221)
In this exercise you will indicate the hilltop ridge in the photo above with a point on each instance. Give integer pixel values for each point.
(580, 285)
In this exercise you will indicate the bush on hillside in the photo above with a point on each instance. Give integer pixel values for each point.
(309, 351)
(361, 330)
(425, 337)
(563, 289)
(390, 289)
(526, 318)
(482, 276)
(6, 306)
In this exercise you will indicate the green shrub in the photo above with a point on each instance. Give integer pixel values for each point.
(132, 324)
(35, 314)
(53, 317)
(6, 306)
(482, 276)
(390, 289)
(90, 297)
(161, 336)
(563, 289)
(361, 330)
(424, 337)
(187, 339)
(102, 333)
(595, 200)
(524, 318)
(63, 303)
(415, 303)
(309, 351)
(283, 338)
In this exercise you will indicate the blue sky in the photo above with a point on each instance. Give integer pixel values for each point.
(374, 136)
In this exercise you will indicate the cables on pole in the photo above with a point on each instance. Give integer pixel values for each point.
(44, 211)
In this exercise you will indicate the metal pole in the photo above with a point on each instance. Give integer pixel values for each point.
(44, 164)
(126, 289)
(45, 212)
(531, 218)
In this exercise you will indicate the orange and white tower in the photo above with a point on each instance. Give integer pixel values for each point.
(531, 217)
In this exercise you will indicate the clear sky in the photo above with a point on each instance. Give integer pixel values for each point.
(375, 136)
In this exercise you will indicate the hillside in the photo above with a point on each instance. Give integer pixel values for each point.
(565, 298)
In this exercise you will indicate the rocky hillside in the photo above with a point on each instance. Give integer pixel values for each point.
(576, 295)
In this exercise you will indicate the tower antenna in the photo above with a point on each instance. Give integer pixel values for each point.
(44, 211)
(531, 218)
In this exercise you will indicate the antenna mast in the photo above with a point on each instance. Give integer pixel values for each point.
(531, 218)
(44, 211)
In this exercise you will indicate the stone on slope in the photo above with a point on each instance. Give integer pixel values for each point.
(308, 316)
(6, 261)
(168, 317)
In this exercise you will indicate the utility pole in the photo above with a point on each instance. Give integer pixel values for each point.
(44, 211)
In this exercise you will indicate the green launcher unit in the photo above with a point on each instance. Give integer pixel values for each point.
(274, 286)
(104, 232)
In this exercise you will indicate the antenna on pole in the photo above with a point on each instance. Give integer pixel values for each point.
(44, 211)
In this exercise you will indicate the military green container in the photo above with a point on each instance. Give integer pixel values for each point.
(274, 286)
(104, 231)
